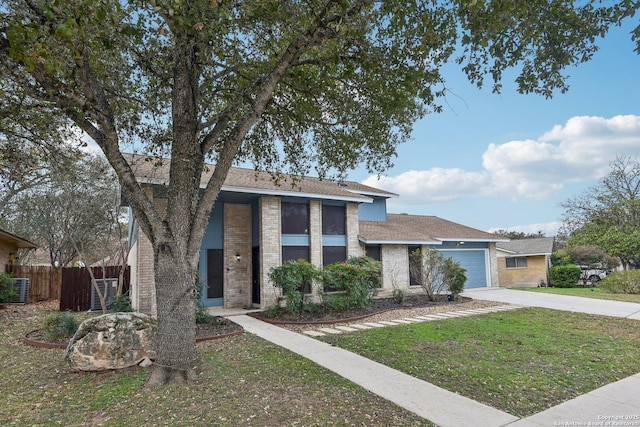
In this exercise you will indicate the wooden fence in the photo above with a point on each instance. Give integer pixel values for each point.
(72, 286)
(75, 294)
(45, 281)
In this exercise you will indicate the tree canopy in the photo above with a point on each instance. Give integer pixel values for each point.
(286, 85)
(518, 235)
(607, 216)
(75, 206)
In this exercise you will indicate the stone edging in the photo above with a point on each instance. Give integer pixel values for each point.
(318, 322)
(34, 343)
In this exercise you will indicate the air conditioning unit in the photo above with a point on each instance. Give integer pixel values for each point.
(108, 288)
(21, 287)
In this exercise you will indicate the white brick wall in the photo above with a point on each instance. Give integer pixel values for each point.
(237, 241)
(270, 248)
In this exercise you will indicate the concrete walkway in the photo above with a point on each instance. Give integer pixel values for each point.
(557, 302)
(615, 404)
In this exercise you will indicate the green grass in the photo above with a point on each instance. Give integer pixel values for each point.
(586, 292)
(521, 361)
(245, 381)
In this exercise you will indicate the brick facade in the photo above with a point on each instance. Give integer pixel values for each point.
(529, 276)
(353, 230)
(315, 239)
(270, 248)
(395, 269)
(237, 242)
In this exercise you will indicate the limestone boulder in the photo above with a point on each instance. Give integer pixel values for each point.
(112, 341)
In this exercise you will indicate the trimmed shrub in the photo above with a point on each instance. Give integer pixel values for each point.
(7, 291)
(292, 277)
(60, 326)
(356, 280)
(564, 276)
(455, 276)
(370, 269)
(560, 258)
(622, 282)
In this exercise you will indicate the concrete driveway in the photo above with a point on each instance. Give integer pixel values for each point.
(602, 307)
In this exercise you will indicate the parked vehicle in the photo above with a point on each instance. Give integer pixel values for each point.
(593, 275)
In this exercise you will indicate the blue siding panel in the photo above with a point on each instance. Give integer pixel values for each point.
(334, 240)
(295, 240)
(476, 264)
(376, 211)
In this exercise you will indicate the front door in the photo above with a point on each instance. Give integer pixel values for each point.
(215, 276)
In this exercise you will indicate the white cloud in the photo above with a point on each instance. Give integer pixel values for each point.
(434, 184)
(579, 151)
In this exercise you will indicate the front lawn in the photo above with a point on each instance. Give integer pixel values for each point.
(586, 292)
(246, 381)
(521, 361)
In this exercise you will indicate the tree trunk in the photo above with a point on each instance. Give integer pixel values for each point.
(177, 359)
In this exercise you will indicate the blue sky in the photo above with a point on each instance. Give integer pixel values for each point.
(507, 161)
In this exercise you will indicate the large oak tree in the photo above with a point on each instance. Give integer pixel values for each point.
(284, 84)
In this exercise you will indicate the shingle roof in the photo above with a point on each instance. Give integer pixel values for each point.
(418, 229)
(18, 241)
(538, 246)
(156, 171)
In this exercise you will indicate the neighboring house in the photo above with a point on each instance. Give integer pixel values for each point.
(256, 225)
(525, 262)
(9, 245)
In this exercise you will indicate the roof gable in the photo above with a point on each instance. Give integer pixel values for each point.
(419, 229)
(538, 246)
(19, 242)
(156, 171)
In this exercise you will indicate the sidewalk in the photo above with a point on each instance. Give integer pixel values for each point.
(601, 307)
(616, 404)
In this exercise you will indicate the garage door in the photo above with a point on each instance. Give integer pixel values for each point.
(476, 264)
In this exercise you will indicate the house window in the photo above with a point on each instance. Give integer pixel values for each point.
(294, 253)
(413, 280)
(373, 252)
(516, 262)
(295, 218)
(330, 255)
(334, 220)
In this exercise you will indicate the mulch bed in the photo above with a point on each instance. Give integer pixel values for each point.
(379, 305)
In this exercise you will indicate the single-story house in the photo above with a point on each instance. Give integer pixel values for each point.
(257, 225)
(525, 262)
(9, 245)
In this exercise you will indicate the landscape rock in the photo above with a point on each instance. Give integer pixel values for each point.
(112, 341)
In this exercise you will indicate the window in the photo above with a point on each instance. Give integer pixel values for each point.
(330, 255)
(413, 280)
(516, 262)
(334, 220)
(373, 252)
(294, 253)
(295, 218)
